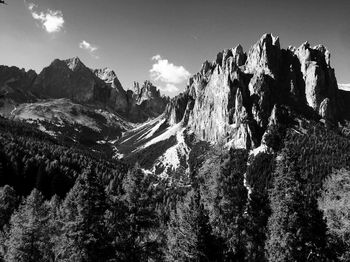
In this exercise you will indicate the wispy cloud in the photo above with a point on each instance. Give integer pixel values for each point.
(89, 47)
(51, 21)
(168, 73)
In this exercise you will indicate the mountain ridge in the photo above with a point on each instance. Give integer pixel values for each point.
(71, 79)
(236, 99)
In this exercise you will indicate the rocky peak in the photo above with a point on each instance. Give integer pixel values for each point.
(145, 102)
(148, 91)
(264, 56)
(71, 79)
(74, 63)
(106, 74)
(239, 56)
(234, 98)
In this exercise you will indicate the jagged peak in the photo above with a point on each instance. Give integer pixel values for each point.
(270, 39)
(74, 63)
(206, 66)
(106, 74)
(238, 50)
(264, 56)
(147, 86)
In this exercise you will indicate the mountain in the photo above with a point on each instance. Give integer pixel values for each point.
(250, 163)
(145, 102)
(76, 104)
(118, 97)
(71, 79)
(236, 99)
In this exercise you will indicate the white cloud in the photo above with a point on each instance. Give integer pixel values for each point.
(169, 88)
(89, 47)
(344, 86)
(51, 20)
(164, 71)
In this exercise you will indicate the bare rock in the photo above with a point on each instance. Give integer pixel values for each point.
(264, 56)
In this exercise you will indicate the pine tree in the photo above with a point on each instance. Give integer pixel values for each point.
(296, 231)
(83, 231)
(28, 238)
(228, 205)
(54, 227)
(189, 235)
(8, 203)
(136, 222)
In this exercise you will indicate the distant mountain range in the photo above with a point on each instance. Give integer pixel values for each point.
(73, 80)
(75, 103)
(234, 100)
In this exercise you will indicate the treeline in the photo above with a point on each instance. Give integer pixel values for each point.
(62, 204)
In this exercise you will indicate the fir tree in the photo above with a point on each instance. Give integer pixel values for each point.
(83, 230)
(136, 221)
(8, 203)
(28, 237)
(189, 235)
(296, 231)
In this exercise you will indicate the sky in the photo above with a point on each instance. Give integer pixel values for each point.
(165, 41)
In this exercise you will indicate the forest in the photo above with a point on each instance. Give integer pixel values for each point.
(61, 203)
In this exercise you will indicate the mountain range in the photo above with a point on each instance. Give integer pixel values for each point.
(233, 100)
(249, 163)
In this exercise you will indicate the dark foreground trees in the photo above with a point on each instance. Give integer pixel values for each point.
(228, 206)
(28, 238)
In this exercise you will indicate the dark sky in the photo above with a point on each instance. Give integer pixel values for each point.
(128, 33)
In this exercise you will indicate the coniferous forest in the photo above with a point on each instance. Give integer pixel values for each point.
(60, 203)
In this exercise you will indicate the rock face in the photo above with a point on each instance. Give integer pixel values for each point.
(145, 102)
(148, 96)
(118, 99)
(70, 79)
(232, 99)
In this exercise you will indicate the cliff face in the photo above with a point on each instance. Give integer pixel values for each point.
(145, 102)
(232, 98)
(70, 79)
(117, 97)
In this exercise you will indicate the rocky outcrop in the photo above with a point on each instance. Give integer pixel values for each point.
(118, 99)
(145, 102)
(234, 98)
